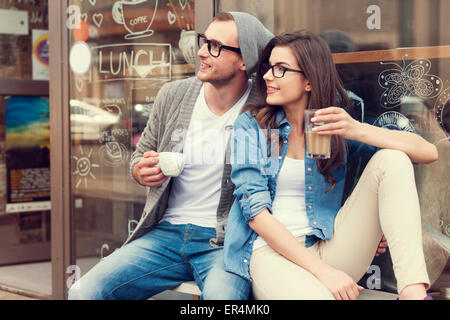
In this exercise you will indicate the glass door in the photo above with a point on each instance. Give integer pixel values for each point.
(119, 54)
(394, 59)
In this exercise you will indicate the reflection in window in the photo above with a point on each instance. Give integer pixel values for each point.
(405, 89)
(135, 48)
(402, 23)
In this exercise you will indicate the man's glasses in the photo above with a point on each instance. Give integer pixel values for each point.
(278, 71)
(214, 47)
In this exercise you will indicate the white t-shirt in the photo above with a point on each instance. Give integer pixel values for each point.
(195, 194)
(289, 204)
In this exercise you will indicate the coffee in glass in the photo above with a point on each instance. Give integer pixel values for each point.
(317, 146)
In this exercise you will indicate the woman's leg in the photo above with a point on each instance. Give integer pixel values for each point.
(385, 201)
(276, 278)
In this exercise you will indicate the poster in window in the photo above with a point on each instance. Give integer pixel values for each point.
(27, 149)
(40, 55)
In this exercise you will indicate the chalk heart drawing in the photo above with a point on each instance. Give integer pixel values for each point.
(84, 17)
(143, 71)
(171, 17)
(183, 3)
(136, 17)
(79, 84)
(98, 19)
(408, 80)
(93, 2)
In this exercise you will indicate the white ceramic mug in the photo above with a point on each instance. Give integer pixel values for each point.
(171, 163)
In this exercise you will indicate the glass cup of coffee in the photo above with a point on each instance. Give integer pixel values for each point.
(317, 146)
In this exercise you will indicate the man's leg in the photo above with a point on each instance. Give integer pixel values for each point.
(139, 270)
(206, 262)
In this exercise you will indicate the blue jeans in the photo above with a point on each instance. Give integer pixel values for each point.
(165, 257)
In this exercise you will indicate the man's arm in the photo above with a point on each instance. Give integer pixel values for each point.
(143, 158)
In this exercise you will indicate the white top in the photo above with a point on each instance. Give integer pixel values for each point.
(289, 204)
(195, 194)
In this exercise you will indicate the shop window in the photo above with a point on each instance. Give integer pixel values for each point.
(16, 51)
(24, 133)
(133, 48)
(394, 56)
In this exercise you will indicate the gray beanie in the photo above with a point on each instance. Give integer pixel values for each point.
(253, 37)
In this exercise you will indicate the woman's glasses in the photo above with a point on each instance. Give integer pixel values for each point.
(278, 71)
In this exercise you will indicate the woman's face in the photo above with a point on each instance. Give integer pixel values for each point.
(292, 88)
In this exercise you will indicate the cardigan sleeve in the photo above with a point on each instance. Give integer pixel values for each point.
(150, 137)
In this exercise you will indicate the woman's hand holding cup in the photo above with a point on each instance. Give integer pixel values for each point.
(338, 122)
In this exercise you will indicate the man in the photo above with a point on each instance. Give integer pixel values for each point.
(180, 235)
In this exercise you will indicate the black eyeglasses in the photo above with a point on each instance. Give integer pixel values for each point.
(278, 71)
(214, 47)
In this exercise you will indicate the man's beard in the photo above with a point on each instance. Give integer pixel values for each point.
(219, 81)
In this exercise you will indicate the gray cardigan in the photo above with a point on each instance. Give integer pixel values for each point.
(165, 132)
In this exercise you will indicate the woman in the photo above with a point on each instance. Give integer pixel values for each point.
(287, 231)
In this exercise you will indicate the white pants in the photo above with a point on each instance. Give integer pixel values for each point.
(385, 201)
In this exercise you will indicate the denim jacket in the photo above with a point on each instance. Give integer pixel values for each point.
(255, 175)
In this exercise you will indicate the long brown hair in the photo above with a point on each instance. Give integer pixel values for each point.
(314, 58)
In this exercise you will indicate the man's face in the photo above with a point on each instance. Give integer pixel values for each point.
(225, 67)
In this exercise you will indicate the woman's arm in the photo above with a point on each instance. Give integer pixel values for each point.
(250, 176)
(417, 148)
(282, 241)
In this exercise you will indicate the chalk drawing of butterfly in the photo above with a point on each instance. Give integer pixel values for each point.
(411, 80)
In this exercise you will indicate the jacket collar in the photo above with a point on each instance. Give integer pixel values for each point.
(282, 120)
